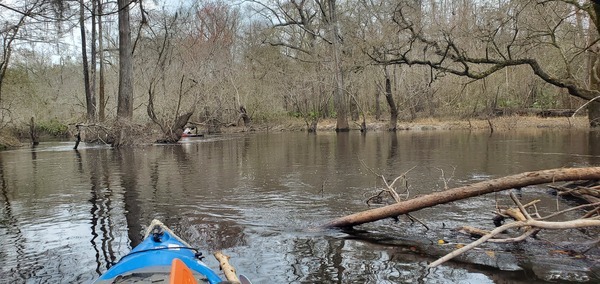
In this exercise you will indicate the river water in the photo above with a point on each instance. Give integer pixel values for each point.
(66, 216)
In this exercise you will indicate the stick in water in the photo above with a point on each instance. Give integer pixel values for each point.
(227, 268)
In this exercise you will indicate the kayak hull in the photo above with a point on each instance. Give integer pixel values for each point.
(155, 254)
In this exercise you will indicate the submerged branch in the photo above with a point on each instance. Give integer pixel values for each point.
(581, 223)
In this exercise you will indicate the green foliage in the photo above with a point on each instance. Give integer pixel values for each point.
(295, 114)
(53, 128)
(267, 117)
(546, 100)
(312, 115)
(507, 103)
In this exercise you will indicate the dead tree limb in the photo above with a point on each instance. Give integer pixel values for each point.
(529, 223)
(390, 187)
(174, 132)
(500, 184)
(78, 136)
(33, 133)
(392, 191)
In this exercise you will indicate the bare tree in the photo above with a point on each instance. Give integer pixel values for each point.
(125, 96)
(170, 124)
(101, 75)
(9, 32)
(90, 99)
(339, 97)
(389, 97)
(186, 64)
(308, 32)
(484, 39)
(23, 23)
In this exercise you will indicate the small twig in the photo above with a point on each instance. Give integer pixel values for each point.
(591, 213)
(536, 213)
(446, 180)
(584, 105)
(323, 187)
(389, 187)
(572, 209)
(523, 210)
(377, 196)
(472, 231)
(532, 203)
(415, 219)
(516, 239)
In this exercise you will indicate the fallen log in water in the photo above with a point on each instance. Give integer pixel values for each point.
(495, 185)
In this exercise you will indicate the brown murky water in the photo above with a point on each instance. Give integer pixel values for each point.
(66, 216)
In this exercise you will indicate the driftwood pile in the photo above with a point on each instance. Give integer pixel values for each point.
(582, 183)
(587, 191)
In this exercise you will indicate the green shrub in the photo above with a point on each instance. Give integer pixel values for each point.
(53, 128)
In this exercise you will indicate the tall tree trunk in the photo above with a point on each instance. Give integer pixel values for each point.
(594, 71)
(125, 96)
(391, 103)
(93, 60)
(339, 96)
(102, 101)
(5, 59)
(33, 133)
(90, 105)
(354, 111)
(594, 114)
(594, 66)
(377, 105)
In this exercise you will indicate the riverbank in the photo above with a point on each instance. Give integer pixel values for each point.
(8, 140)
(505, 123)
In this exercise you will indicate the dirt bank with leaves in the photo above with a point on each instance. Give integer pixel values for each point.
(499, 123)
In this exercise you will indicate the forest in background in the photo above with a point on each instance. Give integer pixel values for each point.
(210, 61)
